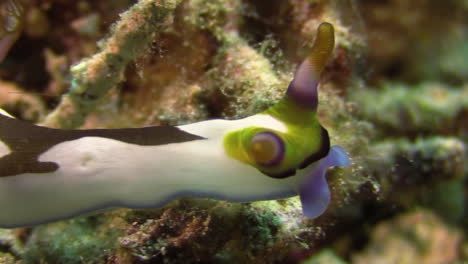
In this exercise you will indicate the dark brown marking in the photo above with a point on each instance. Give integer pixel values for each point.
(28, 141)
(281, 175)
(321, 152)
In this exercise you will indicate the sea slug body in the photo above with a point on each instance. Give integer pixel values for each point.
(51, 174)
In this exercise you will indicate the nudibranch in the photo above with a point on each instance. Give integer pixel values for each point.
(11, 24)
(51, 174)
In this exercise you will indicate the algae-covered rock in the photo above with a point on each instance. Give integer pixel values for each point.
(92, 240)
(416, 237)
(414, 110)
(428, 172)
(12, 245)
(324, 257)
(394, 95)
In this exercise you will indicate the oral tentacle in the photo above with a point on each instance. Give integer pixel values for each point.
(314, 191)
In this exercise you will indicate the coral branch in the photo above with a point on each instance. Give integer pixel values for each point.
(93, 77)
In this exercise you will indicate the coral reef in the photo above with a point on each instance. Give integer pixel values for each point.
(417, 110)
(395, 96)
(416, 237)
(324, 257)
(94, 77)
(88, 239)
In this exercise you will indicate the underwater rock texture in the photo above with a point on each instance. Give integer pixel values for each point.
(395, 96)
(416, 237)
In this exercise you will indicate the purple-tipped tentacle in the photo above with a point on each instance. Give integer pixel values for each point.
(303, 88)
(314, 191)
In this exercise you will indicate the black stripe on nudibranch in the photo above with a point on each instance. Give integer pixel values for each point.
(281, 175)
(321, 152)
(28, 141)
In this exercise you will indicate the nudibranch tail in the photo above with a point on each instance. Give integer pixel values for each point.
(303, 88)
(11, 24)
(314, 191)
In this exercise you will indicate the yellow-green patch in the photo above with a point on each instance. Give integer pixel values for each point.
(302, 139)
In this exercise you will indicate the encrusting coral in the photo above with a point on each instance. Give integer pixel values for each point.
(174, 62)
(94, 77)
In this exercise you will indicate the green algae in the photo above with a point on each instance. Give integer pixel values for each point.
(194, 229)
(413, 237)
(428, 172)
(212, 16)
(6, 258)
(260, 228)
(443, 61)
(326, 256)
(242, 78)
(448, 201)
(90, 239)
(246, 80)
(11, 247)
(400, 109)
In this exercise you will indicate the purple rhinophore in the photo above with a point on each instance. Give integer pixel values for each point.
(303, 88)
(314, 191)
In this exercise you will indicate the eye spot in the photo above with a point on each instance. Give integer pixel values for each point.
(267, 149)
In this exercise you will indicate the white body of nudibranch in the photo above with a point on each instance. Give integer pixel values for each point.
(98, 172)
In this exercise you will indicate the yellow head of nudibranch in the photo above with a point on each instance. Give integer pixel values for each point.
(282, 154)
